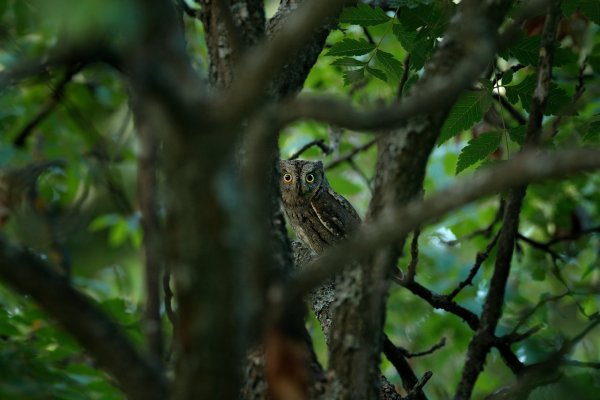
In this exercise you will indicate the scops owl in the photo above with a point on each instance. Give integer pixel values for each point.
(319, 216)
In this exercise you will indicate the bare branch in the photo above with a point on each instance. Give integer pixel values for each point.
(398, 359)
(55, 97)
(413, 394)
(479, 259)
(262, 64)
(431, 350)
(480, 344)
(350, 155)
(318, 143)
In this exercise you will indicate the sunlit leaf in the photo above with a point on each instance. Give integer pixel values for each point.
(351, 47)
(348, 62)
(363, 15)
(377, 73)
(389, 63)
(466, 112)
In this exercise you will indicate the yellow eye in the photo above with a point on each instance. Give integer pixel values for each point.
(287, 178)
(310, 178)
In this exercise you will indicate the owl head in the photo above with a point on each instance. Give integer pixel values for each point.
(300, 180)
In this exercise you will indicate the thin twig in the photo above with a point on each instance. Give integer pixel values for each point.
(418, 388)
(320, 143)
(479, 259)
(53, 101)
(398, 359)
(431, 350)
(350, 155)
(485, 232)
(540, 246)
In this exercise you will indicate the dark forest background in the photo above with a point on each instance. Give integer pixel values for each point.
(143, 252)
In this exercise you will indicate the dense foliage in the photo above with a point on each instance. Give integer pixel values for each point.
(89, 226)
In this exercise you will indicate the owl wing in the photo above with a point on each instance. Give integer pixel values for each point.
(335, 213)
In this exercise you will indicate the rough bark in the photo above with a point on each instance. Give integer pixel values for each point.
(492, 309)
(139, 376)
(400, 171)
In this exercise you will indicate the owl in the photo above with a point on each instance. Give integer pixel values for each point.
(319, 216)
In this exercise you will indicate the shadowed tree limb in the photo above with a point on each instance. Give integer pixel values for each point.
(482, 342)
(528, 167)
(138, 376)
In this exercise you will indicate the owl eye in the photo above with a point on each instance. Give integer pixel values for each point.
(310, 178)
(287, 178)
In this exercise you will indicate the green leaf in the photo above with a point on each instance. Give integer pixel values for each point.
(591, 8)
(405, 37)
(467, 111)
(3, 6)
(418, 17)
(409, 3)
(523, 91)
(103, 222)
(377, 73)
(592, 130)
(363, 15)
(351, 47)
(507, 77)
(21, 11)
(557, 98)
(477, 149)
(569, 6)
(353, 75)
(517, 134)
(392, 66)
(527, 50)
(348, 62)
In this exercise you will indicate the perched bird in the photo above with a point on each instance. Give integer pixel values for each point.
(19, 186)
(319, 216)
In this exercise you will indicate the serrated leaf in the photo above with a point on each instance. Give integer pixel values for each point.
(405, 37)
(564, 57)
(418, 17)
(389, 63)
(353, 75)
(592, 131)
(517, 134)
(363, 15)
(477, 149)
(527, 50)
(557, 97)
(377, 73)
(467, 111)
(591, 8)
(351, 47)
(348, 62)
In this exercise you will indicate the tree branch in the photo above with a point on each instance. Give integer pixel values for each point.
(482, 342)
(528, 167)
(138, 376)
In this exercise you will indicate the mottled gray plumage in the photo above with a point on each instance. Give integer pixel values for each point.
(319, 216)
